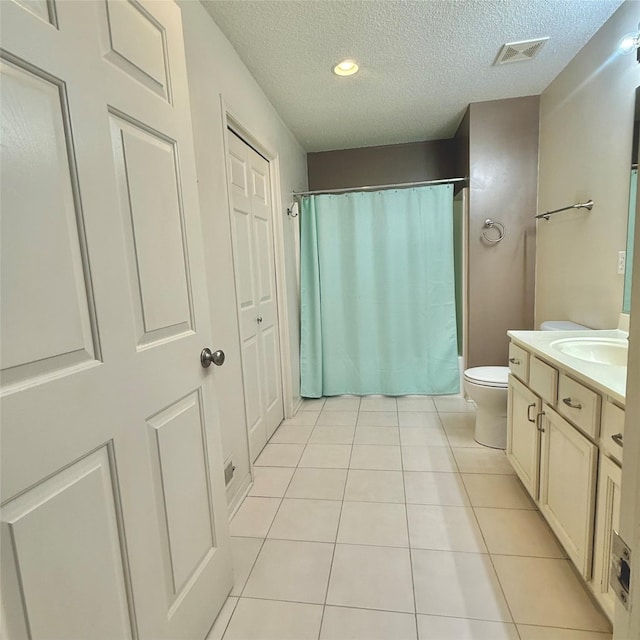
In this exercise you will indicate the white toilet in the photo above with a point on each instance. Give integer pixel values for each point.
(487, 387)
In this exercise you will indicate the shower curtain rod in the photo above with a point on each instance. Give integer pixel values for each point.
(379, 187)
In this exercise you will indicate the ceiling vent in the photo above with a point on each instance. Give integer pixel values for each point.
(520, 51)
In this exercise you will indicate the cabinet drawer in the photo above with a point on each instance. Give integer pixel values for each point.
(580, 405)
(519, 362)
(612, 425)
(543, 379)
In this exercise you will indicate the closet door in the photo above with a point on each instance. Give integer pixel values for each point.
(254, 267)
(114, 519)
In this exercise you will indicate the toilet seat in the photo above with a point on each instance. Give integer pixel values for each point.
(488, 376)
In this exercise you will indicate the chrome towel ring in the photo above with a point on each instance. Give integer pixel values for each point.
(493, 224)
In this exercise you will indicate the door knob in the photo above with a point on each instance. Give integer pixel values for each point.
(207, 357)
(259, 319)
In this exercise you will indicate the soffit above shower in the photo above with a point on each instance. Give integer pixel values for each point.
(421, 62)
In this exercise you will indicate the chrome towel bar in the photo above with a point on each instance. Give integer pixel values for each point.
(579, 205)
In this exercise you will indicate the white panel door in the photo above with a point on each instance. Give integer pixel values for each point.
(113, 513)
(254, 267)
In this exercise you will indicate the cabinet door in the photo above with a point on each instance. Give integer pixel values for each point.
(567, 487)
(607, 519)
(523, 437)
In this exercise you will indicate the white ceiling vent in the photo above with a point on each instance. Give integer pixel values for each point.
(519, 51)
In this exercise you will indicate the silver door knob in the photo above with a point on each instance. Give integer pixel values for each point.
(207, 357)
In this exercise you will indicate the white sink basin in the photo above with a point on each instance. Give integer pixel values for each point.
(612, 351)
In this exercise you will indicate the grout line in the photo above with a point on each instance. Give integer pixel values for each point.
(333, 555)
(226, 626)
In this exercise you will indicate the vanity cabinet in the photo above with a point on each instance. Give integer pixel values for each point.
(523, 436)
(607, 520)
(564, 441)
(568, 466)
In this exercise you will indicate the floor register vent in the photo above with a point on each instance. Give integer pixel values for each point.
(520, 51)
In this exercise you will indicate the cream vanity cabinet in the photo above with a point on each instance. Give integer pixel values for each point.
(564, 442)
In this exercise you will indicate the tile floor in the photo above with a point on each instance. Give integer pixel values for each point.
(382, 519)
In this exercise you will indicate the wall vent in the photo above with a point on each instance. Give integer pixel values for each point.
(520, 51)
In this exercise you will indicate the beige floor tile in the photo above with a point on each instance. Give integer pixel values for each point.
(374, 486)
(528, 632)
(337, 418)
(415, 403)
(546, 592)
(374, 523)
(378, 419)
(289, 570)
(301, 519)
(462, 437)
(291, 434)
(375, 456)
(517, 532)
(460, 429)
(423, 437)
(453, 404)
(377, 435)
(426, 487)
(280, 455)
(460, 585)
(312, 404)
(482, 461)
(444, 527)
(254, 517)
(342, 403)
(326, 456)
(244, 552)
(341, 623)
(378, 403)
(371, 578)
(419, 419)
(273, 620)
(270, 482)
(332, 435)
(439, 628)
(504, 492)
(428, 459)
(322, 484)
(456, 420)
(302, 419)
(220, 625)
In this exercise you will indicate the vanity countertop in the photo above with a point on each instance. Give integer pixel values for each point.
(611, 380)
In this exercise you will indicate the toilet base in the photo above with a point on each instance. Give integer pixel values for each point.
(491, 429)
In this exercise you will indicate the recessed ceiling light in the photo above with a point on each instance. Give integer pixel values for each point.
(345, 68)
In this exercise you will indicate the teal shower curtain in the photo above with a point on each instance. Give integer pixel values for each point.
(378, 309)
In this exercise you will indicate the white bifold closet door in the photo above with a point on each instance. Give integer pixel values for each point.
(113, 514)
(254, 267)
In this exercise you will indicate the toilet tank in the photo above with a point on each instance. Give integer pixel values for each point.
(561, 325)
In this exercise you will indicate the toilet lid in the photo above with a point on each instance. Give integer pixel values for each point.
(488, 376)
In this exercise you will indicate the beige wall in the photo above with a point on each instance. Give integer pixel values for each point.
(214, 68)
(503, 168)
(586, 118)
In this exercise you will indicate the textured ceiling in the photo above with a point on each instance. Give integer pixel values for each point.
(421, 62)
